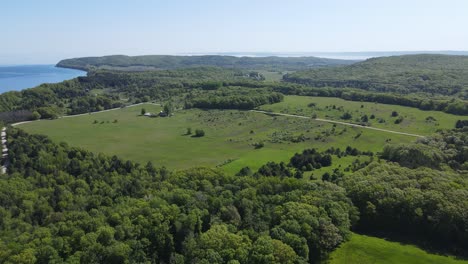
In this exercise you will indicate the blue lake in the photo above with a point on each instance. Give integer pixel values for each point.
(15, 78)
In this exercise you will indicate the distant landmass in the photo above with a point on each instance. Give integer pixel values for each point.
(155, 62)
(333, 55)
(424, 73)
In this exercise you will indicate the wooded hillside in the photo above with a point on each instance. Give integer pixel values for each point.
(149, 62)
(429, 74)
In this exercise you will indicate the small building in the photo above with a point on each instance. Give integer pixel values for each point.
(148, 114)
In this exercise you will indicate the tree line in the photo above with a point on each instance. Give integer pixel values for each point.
(247, 101)
(423, 102)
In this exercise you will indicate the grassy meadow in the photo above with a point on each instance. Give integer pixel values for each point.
(274, 76)
(414, 120)
(228, 141)
(366, 250)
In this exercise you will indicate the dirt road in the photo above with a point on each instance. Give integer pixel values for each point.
(338, 122)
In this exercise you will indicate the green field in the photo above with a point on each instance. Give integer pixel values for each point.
(364, 249)
(274, 76)
(228, 142)
(414, 120)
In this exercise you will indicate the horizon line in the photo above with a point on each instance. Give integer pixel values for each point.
(272, 54)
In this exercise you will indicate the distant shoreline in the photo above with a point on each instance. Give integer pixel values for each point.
(346, 55)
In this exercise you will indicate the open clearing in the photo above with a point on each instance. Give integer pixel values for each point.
(364, 249)
(227, 143)
(338, 122)
(414, 120)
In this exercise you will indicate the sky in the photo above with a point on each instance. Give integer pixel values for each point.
(46, 31)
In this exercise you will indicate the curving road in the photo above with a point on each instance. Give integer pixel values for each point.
(338, 122)
(90, 113)
(3, 169)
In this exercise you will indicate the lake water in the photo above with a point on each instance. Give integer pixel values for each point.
(15, 78)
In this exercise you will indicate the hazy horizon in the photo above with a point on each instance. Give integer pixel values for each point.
(344, 55)
(50, 30)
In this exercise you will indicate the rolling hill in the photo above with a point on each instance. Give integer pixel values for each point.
(152, 62)
(425, 73)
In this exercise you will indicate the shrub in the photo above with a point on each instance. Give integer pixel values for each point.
(346, 116)
(48, 112)
(246, 171)
(364, 118)
(35, 115)
(399, 120)
(199, 133)
(258, 145)
(461, 123)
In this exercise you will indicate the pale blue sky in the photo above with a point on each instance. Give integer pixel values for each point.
(46, 31)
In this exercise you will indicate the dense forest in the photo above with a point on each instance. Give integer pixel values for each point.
(63, 204)
(427, 74)
(233, 98)
(423, 194)
(427, 205)
(158, 62)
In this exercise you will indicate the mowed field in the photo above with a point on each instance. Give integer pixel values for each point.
(228, 141)
(414, 120)
(370, 250)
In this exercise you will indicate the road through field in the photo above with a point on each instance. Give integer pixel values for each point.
(337, 122)
(263, 112)
(67, 116)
